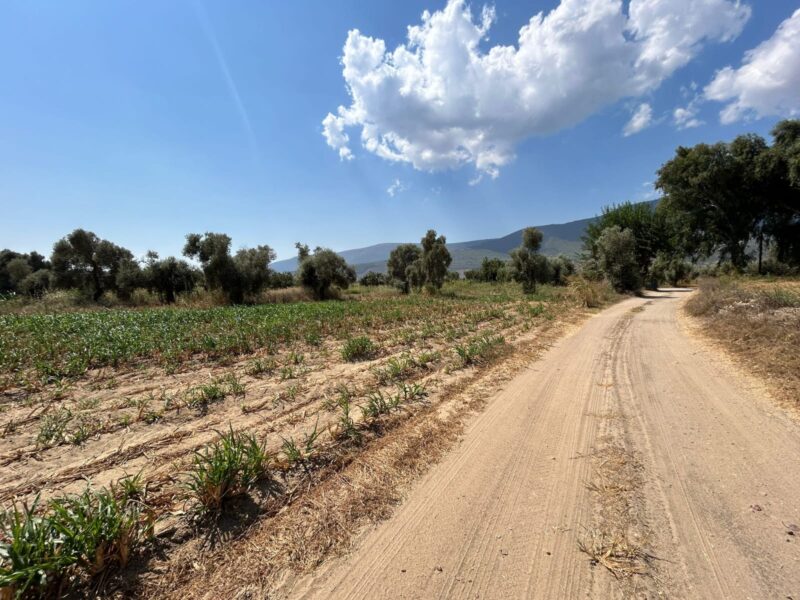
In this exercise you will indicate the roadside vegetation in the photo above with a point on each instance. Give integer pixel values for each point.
(758, 319)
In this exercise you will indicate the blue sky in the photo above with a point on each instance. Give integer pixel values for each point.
(146, 120)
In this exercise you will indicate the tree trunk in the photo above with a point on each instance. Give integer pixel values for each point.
(760, 247)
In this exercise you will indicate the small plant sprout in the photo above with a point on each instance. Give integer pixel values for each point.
(412, 392)
(358, 348)
(233, 385)
(377, 405)
(53, 428)
(202, 396)
(132, 487)
(347, 427)
(260, 367)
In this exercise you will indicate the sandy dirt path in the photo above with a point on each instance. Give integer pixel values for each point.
(710, 487)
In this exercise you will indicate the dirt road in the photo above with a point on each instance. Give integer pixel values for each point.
(631, 446)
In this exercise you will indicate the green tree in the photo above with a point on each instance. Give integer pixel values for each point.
(213, 252)
(24, 273)
(616, 250)
(245, 274)
(491, 269)
(435, 260)
(718, 193)
(169, 276)
(321, 271)
(37, 283)
(281, 280)
(400, 259)
(780, 167)
(129, 277)
(649, 226)
(529, 266)
(252, 265)
(83, 260)
(17, 269)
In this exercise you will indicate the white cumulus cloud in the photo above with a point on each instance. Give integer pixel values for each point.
(767, 82)
(442, 100)
(641, 119)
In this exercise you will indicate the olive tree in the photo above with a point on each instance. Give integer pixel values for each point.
(322, 270)
(169, 276)
(434, 260)
(83, 260)
(236, 276)
(400, 259)
(616, 249)
(529, 266)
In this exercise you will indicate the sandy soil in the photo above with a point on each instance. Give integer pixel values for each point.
(631, 461)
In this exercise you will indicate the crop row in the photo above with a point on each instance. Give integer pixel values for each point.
(69, 344)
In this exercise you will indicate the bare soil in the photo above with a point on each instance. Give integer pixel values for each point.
(633, 460)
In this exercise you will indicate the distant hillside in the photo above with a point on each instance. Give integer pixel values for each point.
(563, 238)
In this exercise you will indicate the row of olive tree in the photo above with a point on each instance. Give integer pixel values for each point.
(83, 261)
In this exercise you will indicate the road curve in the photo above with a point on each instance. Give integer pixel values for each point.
(717, 497)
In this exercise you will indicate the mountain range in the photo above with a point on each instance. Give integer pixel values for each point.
(562, 238)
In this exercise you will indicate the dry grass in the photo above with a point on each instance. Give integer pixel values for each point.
(590, 294)
(618, 537)
(759, 322)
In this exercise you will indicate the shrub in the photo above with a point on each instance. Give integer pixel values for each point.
(372, 279)
(226, 468)
(590, 293)
(358, 348)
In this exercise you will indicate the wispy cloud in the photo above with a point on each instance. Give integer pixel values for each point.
(396, 187)
(642, 118)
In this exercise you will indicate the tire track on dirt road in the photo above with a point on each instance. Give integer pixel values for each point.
(498, 518)
(501, 516)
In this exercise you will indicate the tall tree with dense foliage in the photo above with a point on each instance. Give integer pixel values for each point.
(323, 270)
(781, 167)
(435, 260)
(529, 266)
(400, 259)
(728, 194)
(83, 260)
